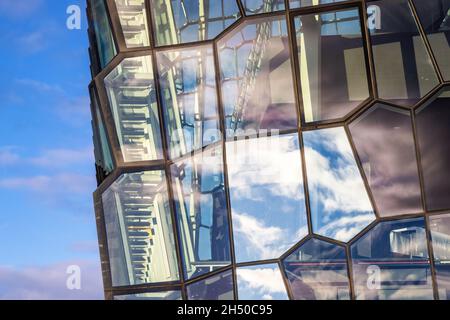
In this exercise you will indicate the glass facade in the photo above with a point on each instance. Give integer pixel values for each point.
(264, 150)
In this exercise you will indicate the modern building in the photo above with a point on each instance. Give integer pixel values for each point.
(272, 149)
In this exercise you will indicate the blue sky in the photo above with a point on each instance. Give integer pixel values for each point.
(47, 171)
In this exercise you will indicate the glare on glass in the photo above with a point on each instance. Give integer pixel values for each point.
(262, 6)
(219, 287)
(440, 237)
(133, 19)
(163, 295)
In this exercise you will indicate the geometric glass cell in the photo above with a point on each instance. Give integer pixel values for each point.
(262, 282)
(340, 205)
(318, 271)
(106, 48)
(262, 6)
(267, 196)
(440, 239)
(404, 70)
(306, 3)
(433, 134)
(332, 67)
(201, 209)
(133, 18)
(132, 99)
(383, 138)
(219, 287)
(256, 81)
(183, 21)
(189, 98)
(162, 295)
(139, 230)
(391, 262)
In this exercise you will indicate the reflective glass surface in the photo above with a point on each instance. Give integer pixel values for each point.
(201, 207)
(433, 130)
(267, 196)
(257, 86)
(189, 98)
(306, 3)
(391, 262)
(403, 67)
(106, 47)
(340, 205)
(164, 295)
(440, 237)
(318, 271)
(139, 230)
(219, 287)
(132, 98)
(383, 138)
(182, 21)
(263, 282)
(133, 19)
(332, 72)
(261, 6)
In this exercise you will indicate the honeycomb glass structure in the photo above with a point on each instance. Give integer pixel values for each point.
(276, 149)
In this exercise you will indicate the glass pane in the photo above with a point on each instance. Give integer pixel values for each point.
(435, 19)
(384, 140)
(318, 271)
(340, 205)
(263, 282)
(403, 67)
(391, 262)
(440, 235)
(189, 98)
(181, 21)
(261, 6)
(306, 3)
(139, 230)
(133, 18)
(132, 98)
(218, 287)
(434, 135)
(257, 87)
(164, 295)
(267, 196)
(333, 77)
(201, 206)
(104, 39)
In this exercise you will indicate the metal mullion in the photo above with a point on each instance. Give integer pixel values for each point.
(296, 247)
(329, 240)
(363, 232)
(257, 263)
(184, 45)
(286, 282)
(437, 212)
(241, 8)
(144, 288)
(402, 217)
(323, 8)
(116, 26)
(431, 257)
(428, 96)
(208, 275)
(189, 155)
(350, 275)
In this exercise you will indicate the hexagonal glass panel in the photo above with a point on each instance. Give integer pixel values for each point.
(106, 47)
(318, 271)
(133, 19)
(257, 89)
(433, 131)
(403, 67)
(340, 205)
(139, 230)
(333, 79)
(440, 236)
(262, 6)
(201, 207)
(383, 138)
(391, 262)
(262, 282)
(132, 98)
(182, 21)
(162, 295)
(219, 287)
(267, 196)
(435, 19)
(189, 98)
(307, 3)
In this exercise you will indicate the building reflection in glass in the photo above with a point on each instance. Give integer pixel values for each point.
(440, 237)
(218, 287)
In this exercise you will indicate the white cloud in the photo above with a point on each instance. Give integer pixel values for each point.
(265, 282)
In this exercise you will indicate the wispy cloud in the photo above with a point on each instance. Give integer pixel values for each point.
(19, 8)
(261, 283)
(39, 86)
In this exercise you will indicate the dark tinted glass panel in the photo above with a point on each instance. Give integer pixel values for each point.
(332, 71)
(318, 271)
(261, 6)
(403, 67)
(434, 135)
(306, 3)
(106, 48)
(257, 87)
(440, 235)
(391, 262)
(164, 295)
(384, 140)
(218, 287)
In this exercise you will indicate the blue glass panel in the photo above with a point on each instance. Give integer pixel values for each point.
(219, 287)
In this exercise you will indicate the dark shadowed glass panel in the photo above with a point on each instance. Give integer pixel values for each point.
(340, 205)
(182, 21)
(219, 287)
(262, 282)
(403, 67)
(318, 271)
(262, 6)
(391, 262)
(133, 19)
(435, 18)
(267, 196)
(433, 129)
(306, 3)
(163, 295)
(106, 47)
(333, 77)
(201, 207)
(189, 98)
(384, 140)
(257, 86)
(440, 236)
(139, 230)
